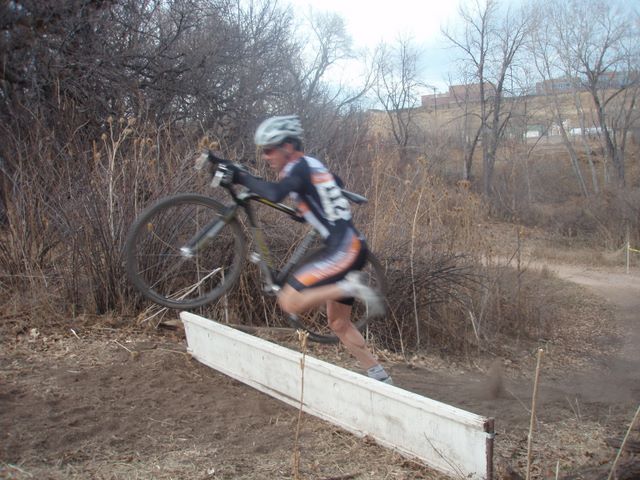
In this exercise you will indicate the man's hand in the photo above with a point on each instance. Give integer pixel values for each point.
(236, 172)
(231, 173)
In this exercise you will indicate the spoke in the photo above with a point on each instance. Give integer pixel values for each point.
(187, 290)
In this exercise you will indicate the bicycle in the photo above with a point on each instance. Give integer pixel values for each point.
(188, 250)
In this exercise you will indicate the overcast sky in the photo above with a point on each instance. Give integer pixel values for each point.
(370, 21)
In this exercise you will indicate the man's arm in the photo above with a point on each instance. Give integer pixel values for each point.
(272, 191)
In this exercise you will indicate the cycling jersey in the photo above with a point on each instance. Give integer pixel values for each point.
(316, 192)
(319, 199)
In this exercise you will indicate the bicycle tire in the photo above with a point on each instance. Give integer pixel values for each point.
(162, 274)
(315, 323)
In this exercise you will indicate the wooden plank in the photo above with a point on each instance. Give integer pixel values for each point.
(444, 437)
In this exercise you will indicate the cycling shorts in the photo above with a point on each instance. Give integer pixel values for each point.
(331, 264)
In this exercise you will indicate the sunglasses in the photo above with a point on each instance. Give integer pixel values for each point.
(270, 150)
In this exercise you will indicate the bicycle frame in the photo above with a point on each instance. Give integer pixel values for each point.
(272, 278)
(211, 259)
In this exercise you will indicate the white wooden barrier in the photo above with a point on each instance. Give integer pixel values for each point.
(443, 437)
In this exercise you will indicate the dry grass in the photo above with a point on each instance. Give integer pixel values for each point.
(432, 238)
(578, 256)
(425, 234)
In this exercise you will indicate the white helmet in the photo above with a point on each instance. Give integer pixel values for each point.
(275, 129)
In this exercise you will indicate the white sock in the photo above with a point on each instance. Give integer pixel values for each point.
(377, 372)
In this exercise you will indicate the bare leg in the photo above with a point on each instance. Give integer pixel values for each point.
(292, 301)
(339, 316)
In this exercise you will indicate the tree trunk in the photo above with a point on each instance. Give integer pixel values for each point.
(612, 152)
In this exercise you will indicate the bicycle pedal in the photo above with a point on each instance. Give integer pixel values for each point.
(255, 257)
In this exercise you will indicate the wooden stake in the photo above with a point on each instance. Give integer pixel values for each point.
(533, 413)
(302, 336)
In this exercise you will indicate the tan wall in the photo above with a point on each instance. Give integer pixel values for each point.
(528, 111)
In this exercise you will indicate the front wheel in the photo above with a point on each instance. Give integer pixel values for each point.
(316, 324)
(164, 262)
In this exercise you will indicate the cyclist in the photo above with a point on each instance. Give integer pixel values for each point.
(331, 278)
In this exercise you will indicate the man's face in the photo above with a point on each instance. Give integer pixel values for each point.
(277, 157)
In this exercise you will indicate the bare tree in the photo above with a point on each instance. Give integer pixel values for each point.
(321, 46)
(101, 100)
(397, 88)
(597, 45)
(542, 46)
(490, 42)
(470, 126)
(318, 51)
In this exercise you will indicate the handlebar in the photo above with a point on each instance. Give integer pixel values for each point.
(220, 174)
(209, 157)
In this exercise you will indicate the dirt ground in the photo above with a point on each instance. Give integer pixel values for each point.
(118, 403)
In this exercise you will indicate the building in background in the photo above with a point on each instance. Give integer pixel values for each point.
(456, 95)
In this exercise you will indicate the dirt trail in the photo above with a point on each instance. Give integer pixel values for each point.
(578, 406)
(108, 403)
(618, 378)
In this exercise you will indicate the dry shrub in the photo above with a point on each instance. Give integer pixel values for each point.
(511, 307)
(541, 189)
(425, 235)
(445, 291)
(67, 224)
(616, 213)
(602, 221)
(67, 218)
(441, 294)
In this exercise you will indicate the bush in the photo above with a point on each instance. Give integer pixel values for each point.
(67, 224)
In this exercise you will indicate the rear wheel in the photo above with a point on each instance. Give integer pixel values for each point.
(316, 324)
(167, 275)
